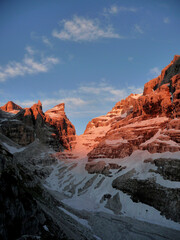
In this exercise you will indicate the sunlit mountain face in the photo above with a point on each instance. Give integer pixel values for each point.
(124, 166)
(89, 120)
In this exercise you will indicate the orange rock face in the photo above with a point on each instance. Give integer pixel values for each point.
(53, 127)
(11, 107)
(146, 122)
(65, 129)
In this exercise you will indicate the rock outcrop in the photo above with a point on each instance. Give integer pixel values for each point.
(11, 107)
(24, 125)
(57, 118)
(147, 122)
(166, 200)
(168, 168)
(132, 150)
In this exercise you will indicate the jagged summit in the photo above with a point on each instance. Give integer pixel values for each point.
(11, 107)
(56, 111)
(56, 117)
(172, 69)
(62, 132)
(127, 162)
(141, 121)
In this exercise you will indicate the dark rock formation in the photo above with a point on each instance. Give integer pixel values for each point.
(18, 131)
(168, 168)
(27, 124)
(114, 204)
(21, 213)
(166, 200)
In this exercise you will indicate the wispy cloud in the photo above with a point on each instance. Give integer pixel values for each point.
(30, 50)
(47, 42)
(71, 102)
(103, 92)
(166, 20)
(93, 99)
(138, 29)
(82, 29)
(26, 103)
(94, 94)
(154, 72)
(27, 66)
(115, 9)
(44, 39)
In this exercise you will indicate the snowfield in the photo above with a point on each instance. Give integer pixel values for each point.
(83, 191)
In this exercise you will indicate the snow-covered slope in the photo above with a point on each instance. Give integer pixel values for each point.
(94, 192)
(128, 161)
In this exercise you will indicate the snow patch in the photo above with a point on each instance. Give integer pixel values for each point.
(12, 149)
(78, 219)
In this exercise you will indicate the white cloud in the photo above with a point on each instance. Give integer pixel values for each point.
(27, 66)
(100, 92)
(154, 72)
(26, 103)
(136, 90)
(86, 100)
(166, 20)
(71, 102)
(103, 92)
(30, 50)
(46, 41)
(82, 29)
(114, 9)
(138, 29)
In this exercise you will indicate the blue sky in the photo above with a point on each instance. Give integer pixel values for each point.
(86, 53)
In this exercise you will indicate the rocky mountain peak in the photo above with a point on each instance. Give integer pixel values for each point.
(65, 129)
(11, 107)
(141, 121)
(56, 112)
(37, 110)
(39, 103)
(176, 57)
(167, 73)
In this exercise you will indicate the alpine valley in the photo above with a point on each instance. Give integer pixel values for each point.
(120, 179)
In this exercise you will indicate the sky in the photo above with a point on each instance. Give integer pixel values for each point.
(88, 54)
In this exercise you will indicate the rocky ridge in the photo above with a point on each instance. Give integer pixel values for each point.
(147, 122)
(24, 125)
(57, 118)
(126, 164)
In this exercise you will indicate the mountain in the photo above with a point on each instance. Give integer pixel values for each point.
(24, 125)
(11, 107)
(66, 131)
(146, 122)
(120, 179)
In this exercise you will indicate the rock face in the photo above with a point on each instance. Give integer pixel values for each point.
(168, 168)
(11, 107)
(18, 132)
(132, 150)
(24, 125)
(166, 200)
(21, 212)
(148, 121)
(57, 118)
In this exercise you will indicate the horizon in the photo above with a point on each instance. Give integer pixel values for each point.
(87, 55)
